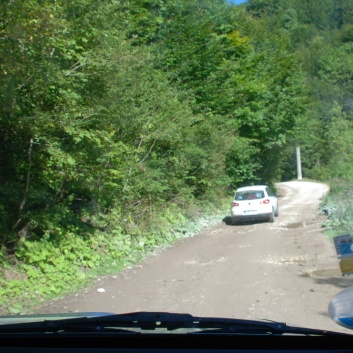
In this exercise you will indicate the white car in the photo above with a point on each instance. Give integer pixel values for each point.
(257, 202)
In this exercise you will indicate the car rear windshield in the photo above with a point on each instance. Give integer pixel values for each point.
(249, 195)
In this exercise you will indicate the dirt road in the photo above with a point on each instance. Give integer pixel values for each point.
(285, 271)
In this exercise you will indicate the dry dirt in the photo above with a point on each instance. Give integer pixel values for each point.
(285, 271)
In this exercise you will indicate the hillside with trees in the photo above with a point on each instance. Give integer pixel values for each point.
(320, 34)
(122, 120)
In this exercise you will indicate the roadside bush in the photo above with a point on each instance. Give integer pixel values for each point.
(57, 264)
(338, 206)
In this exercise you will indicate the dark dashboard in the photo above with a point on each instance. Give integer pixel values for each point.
(92, 343)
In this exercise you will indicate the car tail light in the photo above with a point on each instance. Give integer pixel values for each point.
(265, 201)
(235, 204)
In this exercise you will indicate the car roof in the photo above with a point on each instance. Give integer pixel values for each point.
(252, 187)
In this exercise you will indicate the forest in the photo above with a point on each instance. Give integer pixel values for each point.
(122, 122)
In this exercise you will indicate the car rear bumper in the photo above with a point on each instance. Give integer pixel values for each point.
(251, 217)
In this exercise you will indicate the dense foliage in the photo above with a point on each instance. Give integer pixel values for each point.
(120, 119)
(320, 33)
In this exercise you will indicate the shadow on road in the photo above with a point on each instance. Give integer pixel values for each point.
(227, 220)
(341, 282)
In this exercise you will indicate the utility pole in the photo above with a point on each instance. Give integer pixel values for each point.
(299, 163)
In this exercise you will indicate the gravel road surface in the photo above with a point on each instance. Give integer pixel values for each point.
(285, 271)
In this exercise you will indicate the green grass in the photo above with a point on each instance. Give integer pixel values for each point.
(338, 206)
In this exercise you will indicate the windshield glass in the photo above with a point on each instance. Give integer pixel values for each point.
(248, 195)
(128, 126)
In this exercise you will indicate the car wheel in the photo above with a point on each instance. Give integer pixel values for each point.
(272, 217)
(233, 221)
(277, 212)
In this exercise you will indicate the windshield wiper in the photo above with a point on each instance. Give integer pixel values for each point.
(140, 321)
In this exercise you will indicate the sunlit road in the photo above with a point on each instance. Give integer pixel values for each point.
(285, 271)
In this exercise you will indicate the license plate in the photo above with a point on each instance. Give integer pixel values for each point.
(250, 212)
